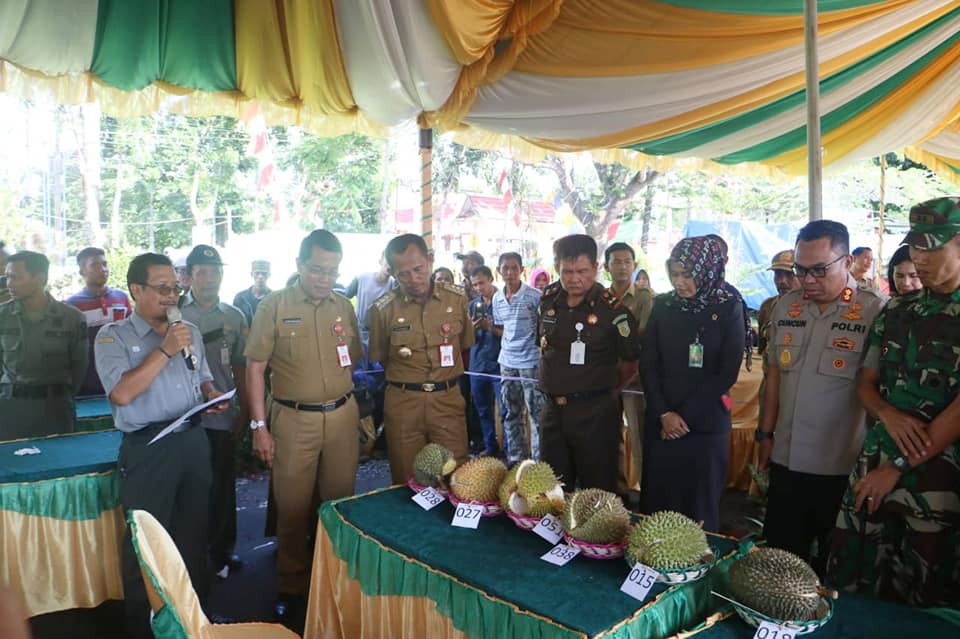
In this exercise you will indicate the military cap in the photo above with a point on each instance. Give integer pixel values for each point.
(933, 223)
(203, 254)
(782, 261)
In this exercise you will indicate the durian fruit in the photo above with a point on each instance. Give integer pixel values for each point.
(508, 486)
(537, 491)
(478, 479)
(776, 583)
(667, 540)
(432, 465)
(596, 517)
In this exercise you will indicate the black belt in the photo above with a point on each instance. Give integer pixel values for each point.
(320, 408)
(152, 428)
(569, 398)
(427, 387)
(32, 391)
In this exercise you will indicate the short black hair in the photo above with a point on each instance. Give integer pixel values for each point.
(139, 269)
(837, 232)
(87, 253)
(481, 270)
(401, 243)
(35, 263)
(441, 269)
(618, 246)
(899, 256)
(571, 247)
(321, 239)
(724, 249)
(510, 255)
(860, 249)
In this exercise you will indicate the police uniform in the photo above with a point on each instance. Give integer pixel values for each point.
(580, 423)
(170, 478)
(639, 301)
(224, 332)
(311, 347)
(420, 348)
(820, 421)
(43, 362)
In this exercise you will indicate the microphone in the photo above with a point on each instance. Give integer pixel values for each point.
(174, 317)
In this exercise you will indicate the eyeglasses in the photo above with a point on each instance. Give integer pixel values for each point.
(818, 272)
(163, 291)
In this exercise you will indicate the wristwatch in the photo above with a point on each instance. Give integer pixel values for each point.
(760, 435)
(901, 463)
(257, 424)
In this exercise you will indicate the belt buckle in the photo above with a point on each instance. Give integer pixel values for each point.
(329, 406)
(428, 388)
(561, 400)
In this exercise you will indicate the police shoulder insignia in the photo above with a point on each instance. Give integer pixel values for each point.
(847, 294)
(384, 300)
(454, 288)
(551, 290)
(612, 300)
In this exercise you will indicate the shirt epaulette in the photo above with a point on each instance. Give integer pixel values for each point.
(384, 301)
(551, 290)
(453, 288)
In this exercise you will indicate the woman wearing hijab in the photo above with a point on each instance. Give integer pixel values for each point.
(690, 358)
(540, 279)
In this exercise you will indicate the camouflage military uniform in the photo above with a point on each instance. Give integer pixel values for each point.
(909, 549)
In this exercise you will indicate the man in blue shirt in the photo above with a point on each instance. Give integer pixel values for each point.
(515, 311)
(483, 357)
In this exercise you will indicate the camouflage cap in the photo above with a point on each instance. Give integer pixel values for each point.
(933, 223)
(782, 261)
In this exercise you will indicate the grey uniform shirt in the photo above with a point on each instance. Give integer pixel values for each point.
(122, 346)
(224, 330)
(820, 421)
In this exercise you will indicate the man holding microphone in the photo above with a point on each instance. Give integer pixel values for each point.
(154, 370)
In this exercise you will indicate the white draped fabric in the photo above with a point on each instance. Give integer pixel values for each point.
(28, 29)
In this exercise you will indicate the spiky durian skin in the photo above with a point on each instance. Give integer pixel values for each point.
(428, 464)
(777, 583)
(536, 479)
(478, 479)
(667, 540)
(507, 486)
(596, 517)
(539, 506)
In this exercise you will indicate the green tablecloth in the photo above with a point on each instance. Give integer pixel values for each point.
(71, 478)
(859, 617)
(93, 415)
(492, 582)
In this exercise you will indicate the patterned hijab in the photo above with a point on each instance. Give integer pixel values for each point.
(703, 259)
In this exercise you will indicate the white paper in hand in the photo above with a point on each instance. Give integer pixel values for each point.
(428, 498)
(767, 630)
(560, 555)
(190, 413)
(549, 528)
(467, 515)
(639, 582)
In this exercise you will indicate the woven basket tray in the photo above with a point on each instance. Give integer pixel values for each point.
(522, 521)
(682, 575)
(595, 551)
(415, 487)
(824, 614)
(490, 508)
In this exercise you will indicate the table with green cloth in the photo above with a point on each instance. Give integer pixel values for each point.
(854, 617)
(61, 524)
(93, 414)
(383, 567)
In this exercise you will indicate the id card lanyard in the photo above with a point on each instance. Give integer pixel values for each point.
(343, 351)
(446, 348)
(695, 352)
(578, 350)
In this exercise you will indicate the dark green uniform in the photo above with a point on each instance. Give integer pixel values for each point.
(580, 423)
(909, 549)
(43, 361)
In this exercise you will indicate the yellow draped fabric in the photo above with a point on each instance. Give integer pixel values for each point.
(593, 38)
(856, 132)
(939, 164)
(723, 109)
(338, 608)
(518, 21)
(58, 564)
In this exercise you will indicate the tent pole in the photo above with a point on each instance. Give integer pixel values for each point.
(814, 155)
(426, 186)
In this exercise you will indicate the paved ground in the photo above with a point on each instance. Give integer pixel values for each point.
(247, 595)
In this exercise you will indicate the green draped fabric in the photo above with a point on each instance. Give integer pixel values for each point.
(767, 7)
(165, 623)
(492, 582)
(60, 456)
(687, 140)
(857, 617)
(139, 42)
(71, 498)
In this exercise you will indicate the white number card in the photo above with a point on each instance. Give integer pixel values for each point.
(639, 582)
(767, 630)
(560, 555)
(467, 515)
(428, 498)
(549, 528)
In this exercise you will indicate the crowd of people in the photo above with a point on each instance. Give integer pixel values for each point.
(858, 423)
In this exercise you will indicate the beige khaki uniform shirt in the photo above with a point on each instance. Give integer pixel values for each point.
(405, 337)
(299, 338)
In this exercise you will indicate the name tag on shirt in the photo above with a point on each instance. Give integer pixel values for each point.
(446, 355)
(343, 355)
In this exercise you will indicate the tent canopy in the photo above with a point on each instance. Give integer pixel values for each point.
(638, 81)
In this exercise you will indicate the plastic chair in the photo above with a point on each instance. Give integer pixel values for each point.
(176, 609)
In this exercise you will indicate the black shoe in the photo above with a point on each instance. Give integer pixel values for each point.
(234, 561)
(288, 605)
